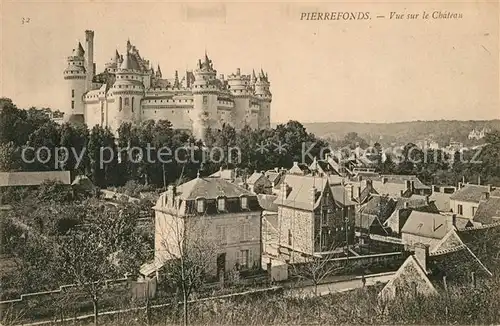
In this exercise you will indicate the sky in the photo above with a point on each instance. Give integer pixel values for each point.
(377, 70)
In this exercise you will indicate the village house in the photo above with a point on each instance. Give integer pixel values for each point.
(322, 168)
(465, 201)
(258, 183)
(426, 228)
(441, 197)
(371, 217)
(428, 273)
(215, 211)
(488, 211)
(402, 209)
(400, 186)
(276, 176)
(310, 220)
(299, 169)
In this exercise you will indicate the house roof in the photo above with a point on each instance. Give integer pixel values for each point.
(228, 174)
(210, 188)
(83, 182)
(299, 168)
(33, 178)
(483, 242)
(255, 177)
(380, 206)
(300, 195)
(441, 200)
(341, 195)
(267, 202)
(470, 193)
(413, 201)
(488, 211)
(388, 188)
(401, 179)
(427, 225)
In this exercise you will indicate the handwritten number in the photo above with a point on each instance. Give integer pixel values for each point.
(25, 20)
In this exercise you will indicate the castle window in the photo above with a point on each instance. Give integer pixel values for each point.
(132, 104)
(205, 99)
(72, 93)
(72, 104)
(120, 107)
(127, 101)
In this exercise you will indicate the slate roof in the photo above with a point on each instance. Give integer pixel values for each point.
(33, 178)
(488, 212)
(300, 188)
(470, 193)
(255, 177)
(272, 175)
(380, 206)
(401, 179)
(441, 200)
(483, 242)
(299, 168)
(210, 188)
(267, 202)
(427, 225)
(341, 196)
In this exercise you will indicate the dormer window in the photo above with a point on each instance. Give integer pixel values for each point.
(221, 204)
(244, 202)
(200, 205)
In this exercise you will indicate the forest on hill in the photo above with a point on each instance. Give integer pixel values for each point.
(441, 131)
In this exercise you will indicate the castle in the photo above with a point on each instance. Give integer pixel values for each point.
(130, 90)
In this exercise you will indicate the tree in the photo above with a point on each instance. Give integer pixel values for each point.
(106, 247)
(10, 157)
(188, 257)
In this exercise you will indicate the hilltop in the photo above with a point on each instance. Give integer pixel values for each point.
(441, 131)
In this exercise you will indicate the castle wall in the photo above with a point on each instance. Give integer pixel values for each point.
(240, 113)
(178, 116)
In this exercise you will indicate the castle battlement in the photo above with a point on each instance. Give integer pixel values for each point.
(131, 90)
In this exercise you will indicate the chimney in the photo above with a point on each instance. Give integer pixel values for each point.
(406, 204)
(296, 164)
(451, 222)
(262, 172)
(238, 71)
(277, 170)
(401, 193)
(313, 194)
(490, 187)
(422, 255)
(284, 190)
(171, 193)
(349, 189)
(485, 196)
(384, 179)
(460, 185)
(369, 184)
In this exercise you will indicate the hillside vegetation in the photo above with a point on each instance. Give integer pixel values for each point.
(441, 131)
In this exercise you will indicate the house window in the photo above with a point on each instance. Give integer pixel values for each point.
(72, 93)
(289, 237)
(221, 204)
(244, 202)
(221, 234)
(460, 210)
(245, 232)
(200, 206)
(474, 209)
(72, 104)
(244, 258)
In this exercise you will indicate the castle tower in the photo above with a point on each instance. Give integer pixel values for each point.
(264, 95)
(75, 76)
(240, 87)
(204, 112)
(127, 93)
(89, 59)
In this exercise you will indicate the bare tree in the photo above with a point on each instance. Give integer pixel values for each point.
(188, 255)
(105, 248)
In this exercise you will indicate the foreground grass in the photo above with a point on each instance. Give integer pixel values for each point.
(462, 305)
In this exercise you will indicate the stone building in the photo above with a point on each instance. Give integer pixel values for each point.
(214, 211)
(131, 90)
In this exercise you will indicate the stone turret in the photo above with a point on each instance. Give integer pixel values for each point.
(75, 76)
